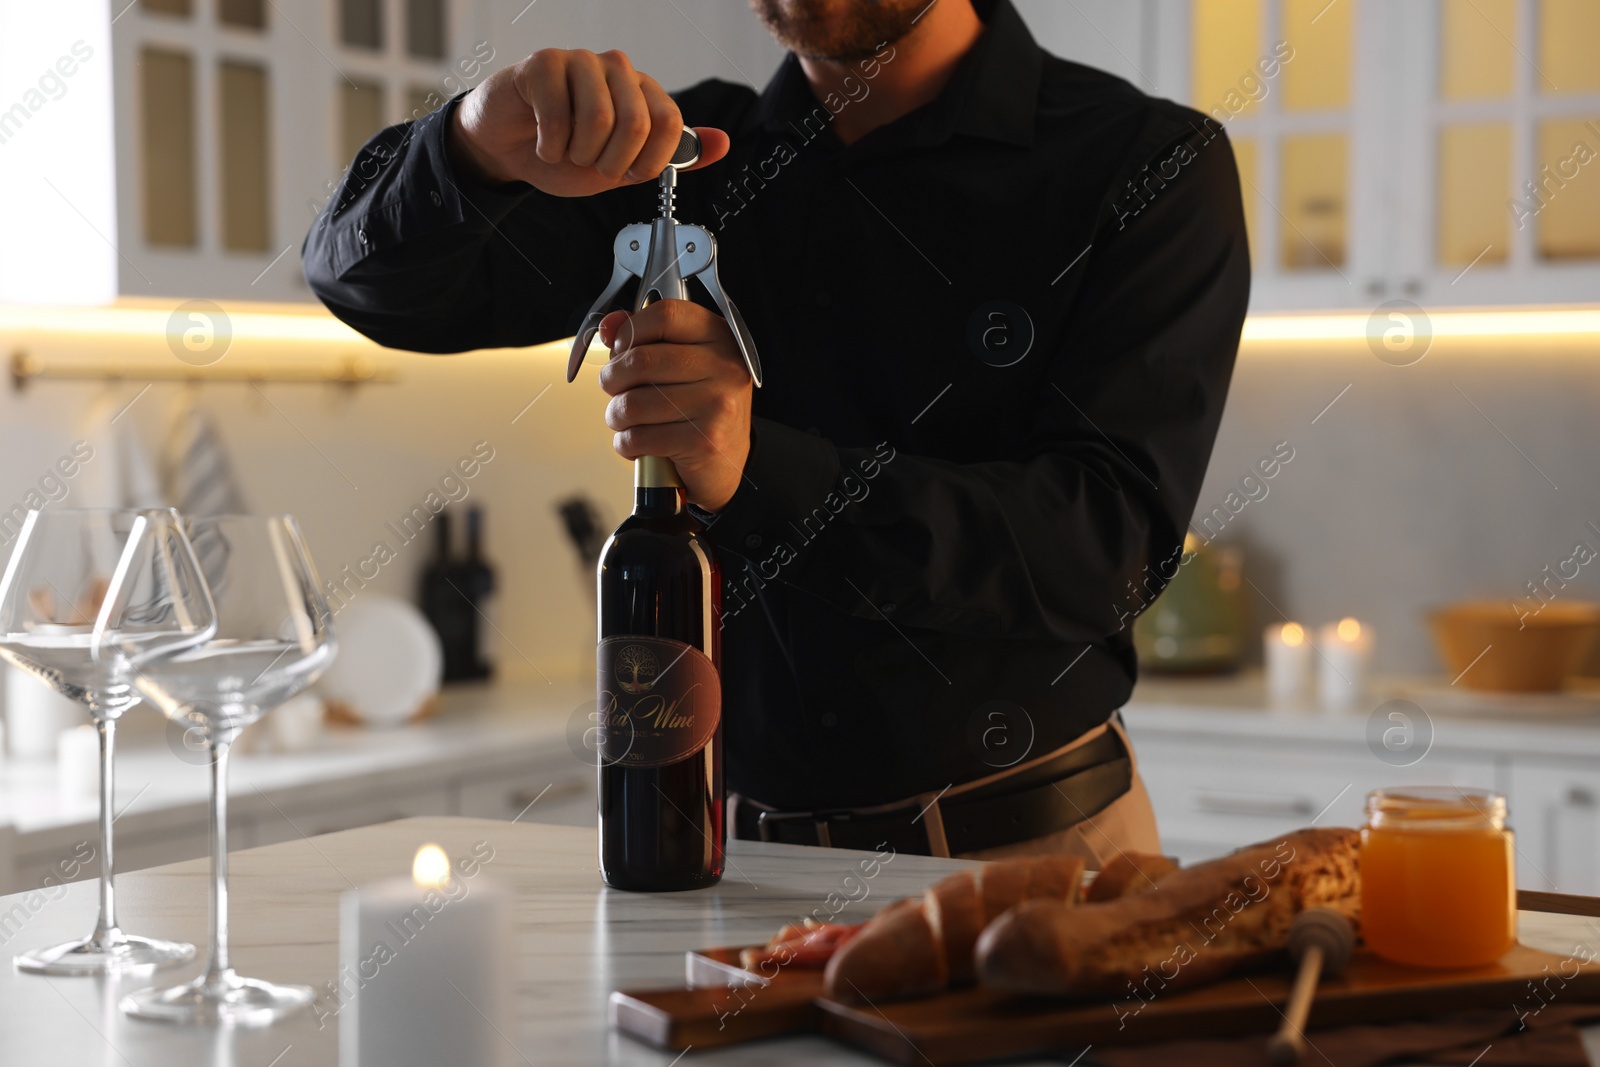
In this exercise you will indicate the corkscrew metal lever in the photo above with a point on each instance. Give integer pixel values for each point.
(664, 254)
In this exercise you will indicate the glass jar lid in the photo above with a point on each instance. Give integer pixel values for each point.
(1436, 807)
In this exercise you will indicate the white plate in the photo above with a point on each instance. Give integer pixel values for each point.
(389, 662)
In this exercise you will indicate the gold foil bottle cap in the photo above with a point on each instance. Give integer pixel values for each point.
(655, 472)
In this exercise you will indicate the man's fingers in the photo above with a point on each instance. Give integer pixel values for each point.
(545, 89)
(666, 125)
(658, 364)
(652, 405)
(673, 321)
(593, 115)
(631, 127)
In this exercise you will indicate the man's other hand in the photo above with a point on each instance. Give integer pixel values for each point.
(679, 389)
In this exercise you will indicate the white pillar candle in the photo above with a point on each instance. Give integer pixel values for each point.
(1346, 648)
(1287, 656)
(78, 763)
(36, 715)
(425, 968)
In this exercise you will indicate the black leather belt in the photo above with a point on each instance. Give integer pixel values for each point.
(1043, 799)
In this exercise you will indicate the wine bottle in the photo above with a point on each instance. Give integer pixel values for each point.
(660, 694)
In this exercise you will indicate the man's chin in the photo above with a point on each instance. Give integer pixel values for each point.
(839, 30)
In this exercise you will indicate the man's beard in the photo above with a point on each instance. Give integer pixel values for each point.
(838, 29)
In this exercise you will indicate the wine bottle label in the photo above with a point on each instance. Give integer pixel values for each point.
(660, 701)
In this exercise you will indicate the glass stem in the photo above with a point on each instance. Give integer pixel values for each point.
(105, 929)
(219, 966)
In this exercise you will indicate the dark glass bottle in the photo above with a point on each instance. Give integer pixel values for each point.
(661, 788)
(452, 595)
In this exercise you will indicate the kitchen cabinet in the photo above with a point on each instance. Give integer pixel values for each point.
(1224, 770)
(1445, 152)
(182, 147)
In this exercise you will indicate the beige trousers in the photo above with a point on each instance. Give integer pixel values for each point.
(1127, 824)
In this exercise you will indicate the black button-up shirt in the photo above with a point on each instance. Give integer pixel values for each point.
(997, 335)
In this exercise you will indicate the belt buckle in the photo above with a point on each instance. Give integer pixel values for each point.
(766, 824)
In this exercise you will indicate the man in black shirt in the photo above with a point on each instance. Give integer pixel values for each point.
(997, 297)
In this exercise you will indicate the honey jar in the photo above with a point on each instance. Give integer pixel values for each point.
(1438, 877)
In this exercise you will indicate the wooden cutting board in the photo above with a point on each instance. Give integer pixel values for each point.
(725, 1005)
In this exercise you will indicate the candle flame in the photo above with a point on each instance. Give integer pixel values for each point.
(1293, 634)
(431, 868)
(1349, 629)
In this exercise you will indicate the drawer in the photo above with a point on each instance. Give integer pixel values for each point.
(1211, 798)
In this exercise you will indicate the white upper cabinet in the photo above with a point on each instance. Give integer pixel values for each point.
(181, 148)
(1445, 151)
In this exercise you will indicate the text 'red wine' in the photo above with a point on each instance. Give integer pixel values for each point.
(660, 694)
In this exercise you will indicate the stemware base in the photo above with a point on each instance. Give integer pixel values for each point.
(112, 954)
(218, 1000)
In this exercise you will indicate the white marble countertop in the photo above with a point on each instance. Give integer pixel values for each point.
(575, 943)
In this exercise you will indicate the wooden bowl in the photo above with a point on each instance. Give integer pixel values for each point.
(1527, 653)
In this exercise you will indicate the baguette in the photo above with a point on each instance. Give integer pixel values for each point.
(917, 947)
(1198, 924)
(1127, 873)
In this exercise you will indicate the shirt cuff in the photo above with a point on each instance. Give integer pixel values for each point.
(786, 477)
(478, 204)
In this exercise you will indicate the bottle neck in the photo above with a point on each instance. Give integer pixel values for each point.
(659, 499)
(657, 489)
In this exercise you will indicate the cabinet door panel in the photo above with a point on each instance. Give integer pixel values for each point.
(1555, 809)
(1212, 796)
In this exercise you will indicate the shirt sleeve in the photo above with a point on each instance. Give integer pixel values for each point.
(418, 256)
(1066, 543)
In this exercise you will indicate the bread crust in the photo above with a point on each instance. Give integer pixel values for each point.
(919, 946)
(894, 955)
(1126, 873)
(1199, 923)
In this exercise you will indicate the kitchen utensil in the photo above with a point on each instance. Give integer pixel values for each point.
(1492, 645)
(1196, 626)
(663, 254)
(273, 638)
(53, 595)
(1321, 942)
(727, 1005)
(390, 665)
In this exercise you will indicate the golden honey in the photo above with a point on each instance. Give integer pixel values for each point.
(1438, 877)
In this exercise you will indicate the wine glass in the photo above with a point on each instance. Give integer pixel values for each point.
(53, 590)
(273, 639)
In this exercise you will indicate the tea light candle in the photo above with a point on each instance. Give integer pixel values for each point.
(1346, 648)
(1288, 664)
(78, 762)
(424, 973)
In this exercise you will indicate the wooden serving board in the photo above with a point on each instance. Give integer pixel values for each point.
(726, 1005)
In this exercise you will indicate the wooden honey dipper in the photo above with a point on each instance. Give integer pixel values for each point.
(1321, 941)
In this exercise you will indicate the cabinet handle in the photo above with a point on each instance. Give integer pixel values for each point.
(1274, 807)
(1579, 797)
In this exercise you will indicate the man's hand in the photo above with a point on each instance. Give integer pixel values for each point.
(679, 389)
(571, 123)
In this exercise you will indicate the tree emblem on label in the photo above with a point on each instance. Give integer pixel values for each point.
(659, 701)
(637, 669)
